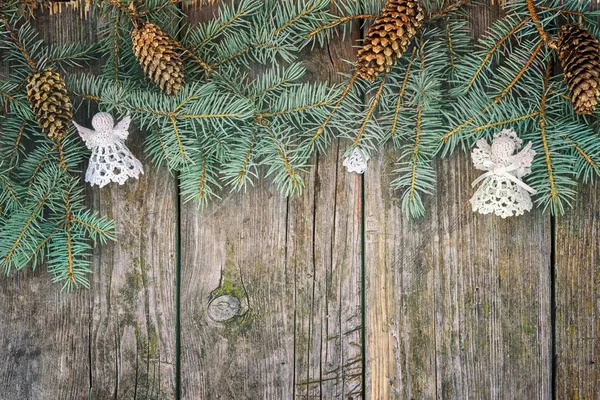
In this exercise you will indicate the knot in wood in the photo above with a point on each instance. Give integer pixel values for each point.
(223, 308)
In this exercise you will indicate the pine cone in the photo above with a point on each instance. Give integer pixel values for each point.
(49, 100)
(389, 37)
(579, 54)
(157, 55)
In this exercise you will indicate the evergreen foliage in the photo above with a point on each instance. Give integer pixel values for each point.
(247, 112)
(513, 79)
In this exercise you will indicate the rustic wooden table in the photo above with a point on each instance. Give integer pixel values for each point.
(334, 294)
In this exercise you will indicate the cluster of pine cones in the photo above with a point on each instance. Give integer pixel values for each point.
(392, 32)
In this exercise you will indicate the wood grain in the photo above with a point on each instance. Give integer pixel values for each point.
(577, 297)
(116, 340)
(132, 308)
(458, 305)
(295, 264)
(44, 347)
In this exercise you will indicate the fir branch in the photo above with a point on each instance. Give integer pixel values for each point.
(67, 228)
(209, 69)
(15, 39)
(546, 38)
(39, 166)
(519, 75)
(243, 171)
(335, 108)
(370, 112)
(587, 157)
(306, 11)
(99, 229)
(17, 143)
(401, 93)
(546, 147)
(491, 52)
(9, 194)
(504, 92)
(448, 9)
(505, 121)
(182, 152)
(35, 212)
(416, 150)
(338, 21)
(450, 45)
(246, 8)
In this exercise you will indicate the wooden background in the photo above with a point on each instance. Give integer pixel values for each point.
(334, 294)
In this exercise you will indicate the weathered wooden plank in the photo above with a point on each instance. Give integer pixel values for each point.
(44, 348)
(43, 340)
(325, 253)
(133, 309)
(577, 298)
(457, 305)
(294, 266)
(116, 340)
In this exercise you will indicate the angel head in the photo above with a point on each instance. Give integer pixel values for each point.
(505, 143)
(103, 122)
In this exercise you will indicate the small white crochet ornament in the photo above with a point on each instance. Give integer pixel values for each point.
(111, 160)
(356, 162)
(502, 191)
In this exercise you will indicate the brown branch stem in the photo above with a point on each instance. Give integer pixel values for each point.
(15, 38)
(448, 9)
(546, 37)
(340, 21)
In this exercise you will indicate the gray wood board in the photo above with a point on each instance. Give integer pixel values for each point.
(577, 294)
(118, 338)
(294, 266)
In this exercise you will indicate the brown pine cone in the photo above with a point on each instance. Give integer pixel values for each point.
(579, 54)
(49, 100)
(389, 37)
(158, 56)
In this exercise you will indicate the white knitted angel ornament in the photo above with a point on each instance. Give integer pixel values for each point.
(356, 162)
(502, 191)
(111, 160)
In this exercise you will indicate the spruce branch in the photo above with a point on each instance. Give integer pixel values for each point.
(335, 108)
(369, 113)
(546, 38)
(338, 21)
(401, 93)
(19, 44)
(448, 9)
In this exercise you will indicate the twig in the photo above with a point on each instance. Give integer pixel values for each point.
(159, 8)
(340, 21)
(15, 38)
(542, 122)
(449, 8)
(538, 25)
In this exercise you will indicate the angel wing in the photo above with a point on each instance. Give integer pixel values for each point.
(524, 159)
(121, 130)
(481, 154)
(85, 133)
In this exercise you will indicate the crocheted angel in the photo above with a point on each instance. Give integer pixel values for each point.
(502, 191)
(356, 162)
(111, 160)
